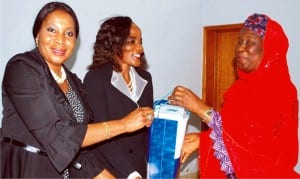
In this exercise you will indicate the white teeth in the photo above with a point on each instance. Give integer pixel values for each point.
(137, 55)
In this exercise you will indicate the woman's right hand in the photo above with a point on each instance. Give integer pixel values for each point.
(186, 98)
(137, 119)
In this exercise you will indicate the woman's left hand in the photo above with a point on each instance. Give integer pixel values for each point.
(190, 144)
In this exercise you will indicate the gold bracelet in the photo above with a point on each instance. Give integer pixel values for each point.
(107, 130)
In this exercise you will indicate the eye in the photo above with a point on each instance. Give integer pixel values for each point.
(240, 42)
(51, 29)
(130, 41)
(250, 42)
(70, 33)
(246, 42)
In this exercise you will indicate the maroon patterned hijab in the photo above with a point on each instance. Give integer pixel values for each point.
(257, 23)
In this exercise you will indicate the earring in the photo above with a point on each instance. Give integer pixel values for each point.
(37, 42)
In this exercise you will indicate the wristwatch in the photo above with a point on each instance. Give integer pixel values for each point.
(208, 114)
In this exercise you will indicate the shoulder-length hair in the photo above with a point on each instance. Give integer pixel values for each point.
(110, 40)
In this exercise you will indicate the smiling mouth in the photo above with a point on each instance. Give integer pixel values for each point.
(241, 58)
(58, 52)
(137, 55)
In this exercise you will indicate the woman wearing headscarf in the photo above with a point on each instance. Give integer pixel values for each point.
(255, 133)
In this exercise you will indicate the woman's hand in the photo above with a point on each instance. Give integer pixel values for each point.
(184, 97)
(137, 119)
(190, 144)
(105, 174)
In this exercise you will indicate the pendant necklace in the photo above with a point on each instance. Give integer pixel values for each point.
(58, 79)
(131, 83)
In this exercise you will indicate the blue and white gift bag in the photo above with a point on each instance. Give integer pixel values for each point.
(166, 137)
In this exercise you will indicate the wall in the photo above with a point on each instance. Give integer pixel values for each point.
(172, 34)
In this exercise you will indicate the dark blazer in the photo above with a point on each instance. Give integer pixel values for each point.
(128, 152)
(37, 113)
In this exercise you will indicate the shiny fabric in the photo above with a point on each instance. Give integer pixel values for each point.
(260, 118)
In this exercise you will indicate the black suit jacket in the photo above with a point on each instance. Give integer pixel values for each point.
(128, 152)
(37, 113)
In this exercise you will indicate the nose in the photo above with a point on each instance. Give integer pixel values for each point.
(241, 45)
(140, 47)
(60, 39)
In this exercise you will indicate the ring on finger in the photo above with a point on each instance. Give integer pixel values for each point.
(149, 117)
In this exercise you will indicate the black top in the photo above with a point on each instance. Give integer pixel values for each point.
(36, 112)
(128, 152)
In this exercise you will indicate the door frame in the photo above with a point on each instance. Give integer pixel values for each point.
(209, 61)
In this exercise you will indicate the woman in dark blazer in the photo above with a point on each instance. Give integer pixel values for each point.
(45, 112)
(116, 84)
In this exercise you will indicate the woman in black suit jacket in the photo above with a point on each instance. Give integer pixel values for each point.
(46, 115)
(117, 84)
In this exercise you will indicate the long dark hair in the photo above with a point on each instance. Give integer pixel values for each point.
(47, 9)
(110, 40)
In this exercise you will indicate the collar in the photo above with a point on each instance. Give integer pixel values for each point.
(139, 84)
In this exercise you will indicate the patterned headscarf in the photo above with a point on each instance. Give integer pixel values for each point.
(257, 23)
